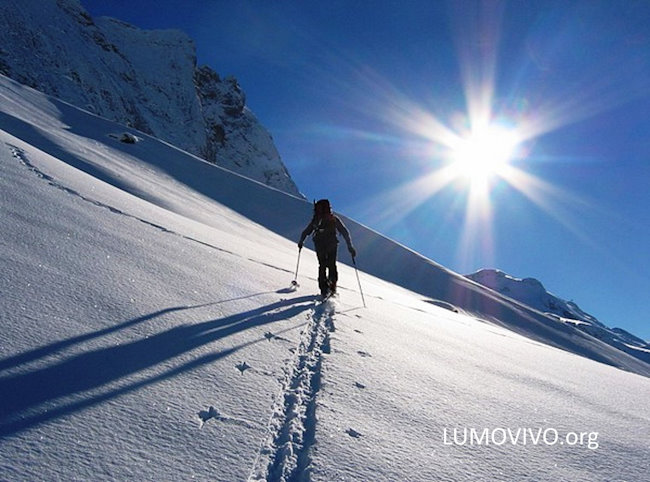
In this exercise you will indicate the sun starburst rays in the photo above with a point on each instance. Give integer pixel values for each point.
(471, 162)
(478, 146)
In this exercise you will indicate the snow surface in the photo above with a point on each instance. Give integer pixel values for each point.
(149, 333)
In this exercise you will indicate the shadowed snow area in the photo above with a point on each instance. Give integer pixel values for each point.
(148, 331)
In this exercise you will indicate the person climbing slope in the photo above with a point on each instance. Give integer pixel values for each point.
(324, 225)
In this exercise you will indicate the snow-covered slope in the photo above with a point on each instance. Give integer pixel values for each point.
(148, 333)
(532, 293)
(146, 79)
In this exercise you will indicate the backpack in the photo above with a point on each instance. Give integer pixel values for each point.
(324, 225)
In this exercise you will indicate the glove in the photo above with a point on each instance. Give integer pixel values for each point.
(353, 252)
(299, 244)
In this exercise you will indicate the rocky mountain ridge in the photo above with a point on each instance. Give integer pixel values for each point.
(147, 80)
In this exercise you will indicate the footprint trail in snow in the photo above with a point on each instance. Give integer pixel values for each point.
(284, 455)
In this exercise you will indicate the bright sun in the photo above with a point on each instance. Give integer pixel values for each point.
(483, 153)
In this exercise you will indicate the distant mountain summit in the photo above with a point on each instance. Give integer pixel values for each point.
(148, 80)
(532, 293)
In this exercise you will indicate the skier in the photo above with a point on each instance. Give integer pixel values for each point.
(325, 225)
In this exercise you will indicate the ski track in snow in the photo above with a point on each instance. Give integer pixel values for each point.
(284, 455)
(21, 156)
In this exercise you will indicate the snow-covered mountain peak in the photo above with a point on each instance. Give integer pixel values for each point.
(495, 277)
(532, 293)
(148, 80)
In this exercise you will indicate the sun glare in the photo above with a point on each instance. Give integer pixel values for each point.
(483, 153)
(475, 157)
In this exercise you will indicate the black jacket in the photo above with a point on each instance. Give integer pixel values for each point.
(325, 229)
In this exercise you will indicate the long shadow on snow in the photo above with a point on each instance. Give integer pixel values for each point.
(22, 394)
(52, 348)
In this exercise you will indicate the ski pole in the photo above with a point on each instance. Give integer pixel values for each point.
(354, 262)
(295, 278)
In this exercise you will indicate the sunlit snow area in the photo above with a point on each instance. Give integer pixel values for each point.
(149, 331)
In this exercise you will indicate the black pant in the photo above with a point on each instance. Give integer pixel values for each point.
(327, 273)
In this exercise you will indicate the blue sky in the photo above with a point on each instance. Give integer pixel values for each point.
(365, 101)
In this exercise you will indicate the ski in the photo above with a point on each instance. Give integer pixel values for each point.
(324, 298)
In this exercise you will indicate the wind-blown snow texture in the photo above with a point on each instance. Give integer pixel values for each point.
(148, 334)
(146, 79)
